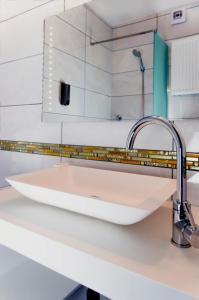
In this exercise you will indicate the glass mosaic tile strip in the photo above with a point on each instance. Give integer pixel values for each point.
(142, 157)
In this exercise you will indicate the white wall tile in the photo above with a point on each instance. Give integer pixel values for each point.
(65, 37)
(98, 56)
(190, 27)
(75, 16)
(76, 106)
(98, 80)
(125, 61)
(27, 30)
(190, 132)
(130, 83)
(97, 106)
(65, 67)
(13, 163)
(114, 134)
(107, 133)
(154, 137)
(15, 88)
(9, 9)
(23, 123)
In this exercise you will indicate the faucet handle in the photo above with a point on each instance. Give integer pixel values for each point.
(187, 208)
(192, 235)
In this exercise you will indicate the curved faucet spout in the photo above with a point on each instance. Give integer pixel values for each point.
(182, 216)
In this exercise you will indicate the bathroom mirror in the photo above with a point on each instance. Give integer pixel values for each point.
(94, 71)
(106, 66)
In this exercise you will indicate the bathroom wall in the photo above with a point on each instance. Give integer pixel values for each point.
(21, 89)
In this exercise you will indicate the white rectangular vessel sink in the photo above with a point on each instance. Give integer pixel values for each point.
(117, 197)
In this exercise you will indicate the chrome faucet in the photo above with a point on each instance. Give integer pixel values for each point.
(185, 232)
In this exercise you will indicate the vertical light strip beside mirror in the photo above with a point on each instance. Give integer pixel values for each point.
(160, 76)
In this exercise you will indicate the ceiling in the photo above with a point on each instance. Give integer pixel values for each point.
(118, 12)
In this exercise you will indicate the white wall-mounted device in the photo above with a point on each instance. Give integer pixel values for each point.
(178, 16)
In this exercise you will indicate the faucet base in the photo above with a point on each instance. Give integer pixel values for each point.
(179, 245)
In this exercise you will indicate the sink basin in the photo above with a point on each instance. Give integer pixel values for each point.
(117, 197)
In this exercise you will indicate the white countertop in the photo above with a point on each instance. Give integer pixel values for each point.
(120, 262)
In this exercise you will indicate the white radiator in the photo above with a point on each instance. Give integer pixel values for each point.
(185, 66)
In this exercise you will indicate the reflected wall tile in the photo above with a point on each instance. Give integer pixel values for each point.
(148, 105)
(98, 80)
(135, 27)
(130, 107)
(65, 67)
(65, 37)
(97, 106)
(75, 16)
(97, 29)
(124, 61)
(133, 42)
(98, 56)
(130, 83)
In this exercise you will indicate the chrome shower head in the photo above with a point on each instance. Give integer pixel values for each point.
(138, 54)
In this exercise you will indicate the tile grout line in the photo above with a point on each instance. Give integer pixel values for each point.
(78, 58)
(85, 66)
(27, 11)
(23, 104)
(87, 35)
(21, 58)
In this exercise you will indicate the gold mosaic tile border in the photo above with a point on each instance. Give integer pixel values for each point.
(152, 158)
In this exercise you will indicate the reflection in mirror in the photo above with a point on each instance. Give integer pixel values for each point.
(110, 80)
(105, 62)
